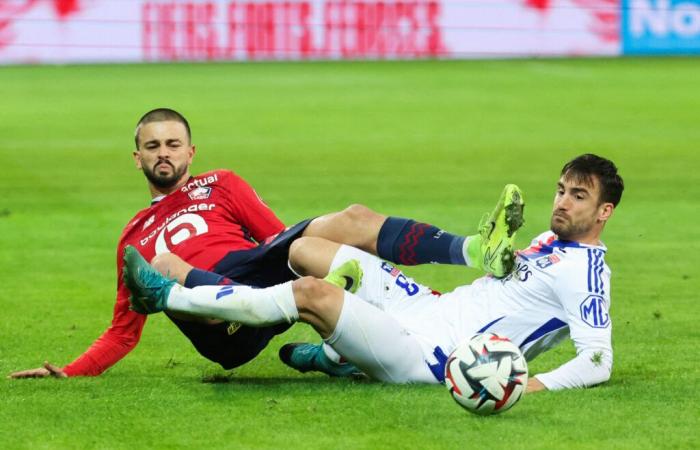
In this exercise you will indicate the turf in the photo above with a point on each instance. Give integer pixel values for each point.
(431, 140)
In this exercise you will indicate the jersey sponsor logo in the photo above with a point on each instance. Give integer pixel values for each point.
(201, 193)
(190, 209)
(594, 311)
(223, 292)
(200, 182)
(522, 273)
(149, 222)
(547, 261)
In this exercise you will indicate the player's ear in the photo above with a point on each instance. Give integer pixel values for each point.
(605, 211)
(137, 160)
(192, 152)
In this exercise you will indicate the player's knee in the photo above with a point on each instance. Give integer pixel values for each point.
(303, 254)
(311, 294)
(297, 252)
(359, 214)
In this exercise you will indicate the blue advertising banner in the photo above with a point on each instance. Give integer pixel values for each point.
(660, 27)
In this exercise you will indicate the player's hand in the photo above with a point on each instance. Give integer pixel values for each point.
(48, 370)
(534, 385)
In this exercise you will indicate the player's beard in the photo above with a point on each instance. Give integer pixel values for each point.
(566, 229)
(164, 181)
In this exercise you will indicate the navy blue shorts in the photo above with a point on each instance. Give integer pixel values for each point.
(231, 344)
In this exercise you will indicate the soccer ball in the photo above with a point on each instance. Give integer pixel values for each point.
(487, 374)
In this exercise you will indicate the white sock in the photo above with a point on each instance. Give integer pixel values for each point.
(331, 353)
(468, 261)
(255, 307)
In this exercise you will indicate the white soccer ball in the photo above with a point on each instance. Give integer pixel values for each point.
(487, 374)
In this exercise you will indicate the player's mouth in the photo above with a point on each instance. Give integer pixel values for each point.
(163, 164)
(560, 216)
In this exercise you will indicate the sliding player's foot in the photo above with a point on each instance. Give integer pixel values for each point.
(311, 357)
(347, 276)
(493, 248)
(149, 288)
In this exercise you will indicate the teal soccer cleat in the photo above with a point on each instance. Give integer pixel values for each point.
(306, 357)
(149, 288)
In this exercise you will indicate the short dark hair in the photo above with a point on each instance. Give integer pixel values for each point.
(583, 168)
(161, 115)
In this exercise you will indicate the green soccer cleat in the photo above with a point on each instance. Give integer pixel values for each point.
(492, 249)
(149, 288)
(347, 276)
(306, 357)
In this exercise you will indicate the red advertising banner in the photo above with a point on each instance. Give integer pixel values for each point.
(61, 31)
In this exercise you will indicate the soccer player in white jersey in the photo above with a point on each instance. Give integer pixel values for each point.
(397, 330)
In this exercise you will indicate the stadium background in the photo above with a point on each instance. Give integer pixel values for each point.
(434, 138)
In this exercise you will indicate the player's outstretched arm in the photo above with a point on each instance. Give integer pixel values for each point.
(47, 370)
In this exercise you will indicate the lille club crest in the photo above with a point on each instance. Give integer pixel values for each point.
(201, 193)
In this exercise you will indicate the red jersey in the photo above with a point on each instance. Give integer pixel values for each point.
(211, 215)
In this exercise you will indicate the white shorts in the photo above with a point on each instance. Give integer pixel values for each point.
(393, 328)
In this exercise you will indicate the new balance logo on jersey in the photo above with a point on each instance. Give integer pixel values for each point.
(149, 222)
(224, 291)
(594, 312)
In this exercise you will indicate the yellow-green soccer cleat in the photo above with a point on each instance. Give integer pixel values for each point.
(347, 276)
(149, 288)
(492, 249)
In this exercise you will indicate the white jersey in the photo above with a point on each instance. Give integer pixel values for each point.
(559, 289)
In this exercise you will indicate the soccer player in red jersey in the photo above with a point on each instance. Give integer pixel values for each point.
(199, 218)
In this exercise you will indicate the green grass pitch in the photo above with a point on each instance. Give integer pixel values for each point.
(434, 141)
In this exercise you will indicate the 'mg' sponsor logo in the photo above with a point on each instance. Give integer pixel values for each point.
(594, 311)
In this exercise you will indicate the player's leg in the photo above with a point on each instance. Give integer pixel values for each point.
(356, 329)
(172, 266)
(402, 241)
(408, 242)
(382, 285)
(356, 225)
(366, 336)
(229, 344)
(153, 292)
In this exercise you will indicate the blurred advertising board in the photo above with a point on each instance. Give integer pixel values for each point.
(66, 31)
(661, 26)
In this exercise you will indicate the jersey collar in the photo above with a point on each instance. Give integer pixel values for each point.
(155, 200)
